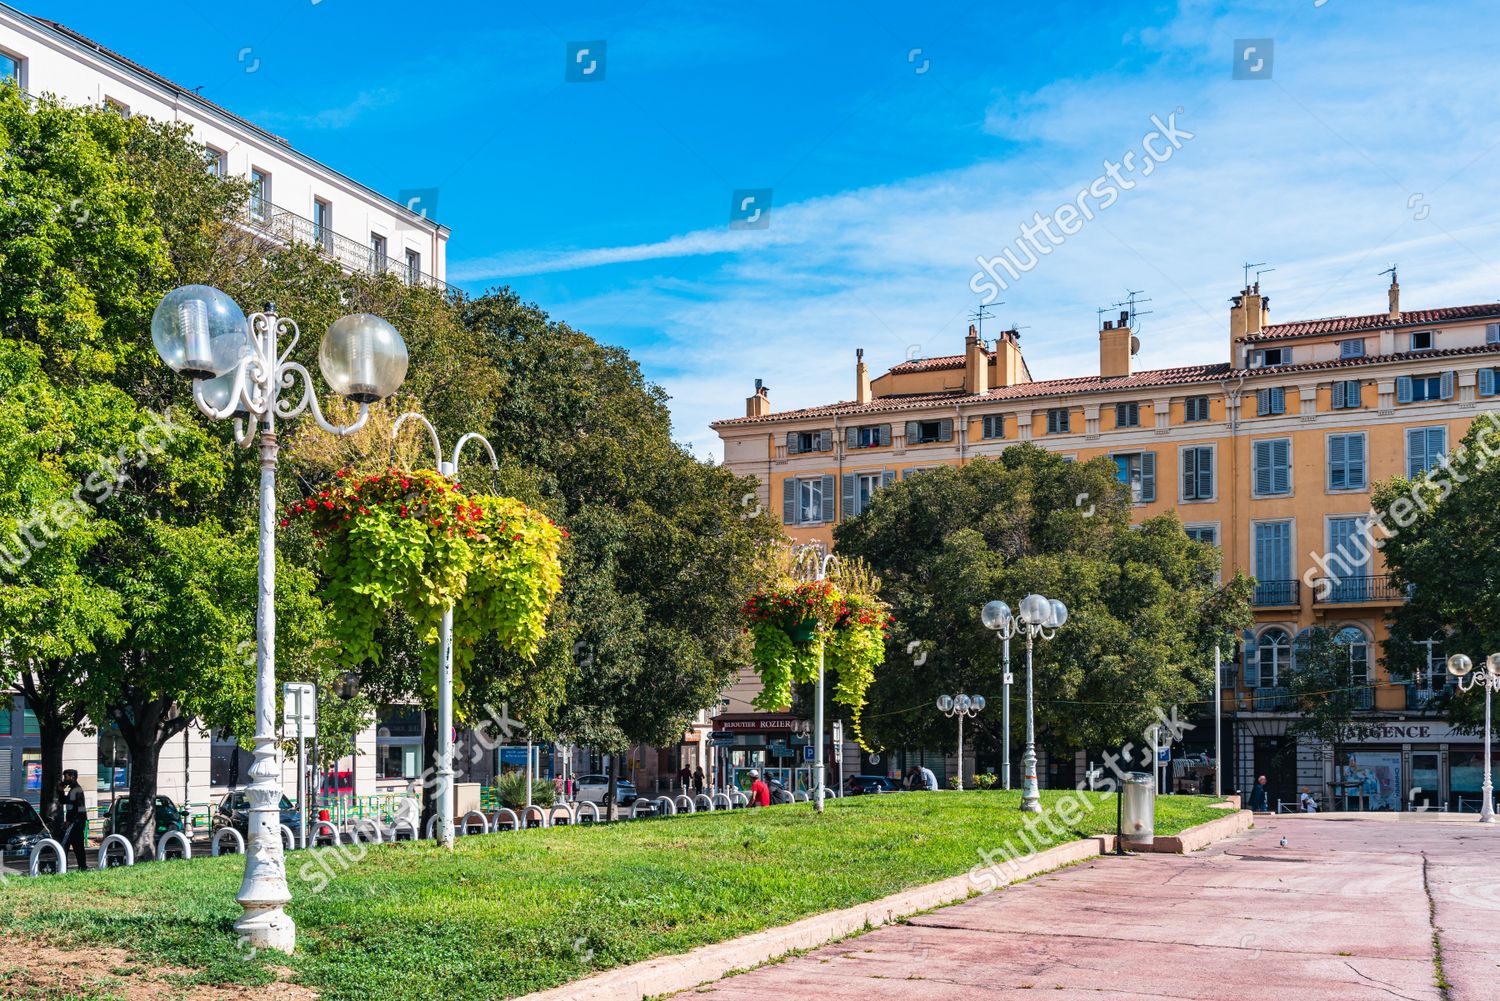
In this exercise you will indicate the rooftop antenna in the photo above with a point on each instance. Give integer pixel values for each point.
(1258, 264)
(1392, 272)
(1130, 303)
(198, 90)
(1261, 272)
(980, 315)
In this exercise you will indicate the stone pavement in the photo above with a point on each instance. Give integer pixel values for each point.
(1348, 910)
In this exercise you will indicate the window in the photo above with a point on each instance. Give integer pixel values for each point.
(377, 253)
(398, 721)
(1208, 535)
(869, 436)
(215, 161)
(1272, 466)
(1198, 473)
(1270, 401)
(1273, 660)
(1346, 394)
(860, 487)
(117, 106)
(1424, 447)
(1422, 340)
(1352, 349)
(1423, 388)
(1127, 415)
(398, 761)
(798, 442)
(1195, 408)
(1268, 357)
(260, 193)
(413, 267)
(1432, 676)
(1354, 640)
(1487, 382)
(994, 426)
(10, 69)
(1492, 333)
(229, 763)
(1057, 420)
(1349, 545)
(1346, 461)
(1273, 552)
(1137, 470)
(323, 224)
(807, 500)
(925, 432)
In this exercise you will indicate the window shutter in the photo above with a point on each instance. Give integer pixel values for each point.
(1205, 473)
(1251, 662)
(1351, 393)
(851, 496)
(1403, 389)
(945, 429)
(1492, 333)
(913, 432)
(851, 438)
(1148, 477)
(885, 436)
(825, 440)
(1356, 475)
(1487, 381)
(1189, 475)
(1338, 458)
(789, 501)
(888, 477)
(1262, 402)
(1281, 462)
(1262, 465)
(1446, 386)
(829, 486)
(1437, 444)
(791, 443)
(1286, 356)
(1278, 400)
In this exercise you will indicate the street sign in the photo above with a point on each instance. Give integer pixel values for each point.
(300, 704)
(797, 739)
(1164, 755)
(809, 754)
(779, 750)
(721, 739)
(838, 731)
(1010, 679)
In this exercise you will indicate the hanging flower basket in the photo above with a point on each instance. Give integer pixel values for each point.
(792, 623)
(413, 540)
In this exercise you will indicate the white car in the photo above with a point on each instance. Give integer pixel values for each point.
(591, 789)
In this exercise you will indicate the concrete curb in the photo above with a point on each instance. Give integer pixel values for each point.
(669, 974)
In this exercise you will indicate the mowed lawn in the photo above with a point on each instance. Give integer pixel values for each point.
(510, 913)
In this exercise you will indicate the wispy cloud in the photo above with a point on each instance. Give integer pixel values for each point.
(339, 117)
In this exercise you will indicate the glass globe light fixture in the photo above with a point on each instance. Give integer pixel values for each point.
(1492, 662)
(1059, 614)
(218, 390)
(1035, 610)
(995, 615)
(977, 702)
(961, 703)
(363, 358)
(1459, 665)
(944, 703)
(199, 331)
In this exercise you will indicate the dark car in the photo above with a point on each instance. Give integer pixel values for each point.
(234, 811)
(168, 816)
(864, 785)
(21, 828)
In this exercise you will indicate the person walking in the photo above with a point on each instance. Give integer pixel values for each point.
(698, 781)
(760, 793)
(1260, 796)
(75, 817)
(684, 777)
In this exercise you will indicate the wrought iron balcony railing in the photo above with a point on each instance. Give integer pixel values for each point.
(1271, 700)
(289, 227)
(1277, 592)
(1368, 589)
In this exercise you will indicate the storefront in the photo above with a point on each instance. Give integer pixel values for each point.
(1409, 766)
(772, 743)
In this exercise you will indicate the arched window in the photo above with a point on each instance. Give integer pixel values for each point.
(1273, 651)
(1354, 640)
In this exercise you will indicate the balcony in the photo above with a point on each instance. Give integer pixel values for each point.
(1369, 589)
(1272, 700)
(1277, 594)
(288, 227)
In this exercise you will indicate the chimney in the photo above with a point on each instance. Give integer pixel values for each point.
(862, 392)
(1395, 296)
(758, 405)
(1114, 348)
(976, 364)
(1010, 368)
(1249, 313)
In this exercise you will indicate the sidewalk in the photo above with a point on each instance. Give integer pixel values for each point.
(1340, 914)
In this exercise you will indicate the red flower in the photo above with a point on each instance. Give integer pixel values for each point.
(515, 538)
(285, 522)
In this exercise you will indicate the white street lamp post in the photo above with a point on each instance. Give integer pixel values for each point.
(1040, 616)
(444, 774)
(996, 616)
(961, 706)
(239, 370)
(816, 565)
(1460, 666)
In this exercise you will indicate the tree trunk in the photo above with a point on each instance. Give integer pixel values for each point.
(140, 818)
(52, 738)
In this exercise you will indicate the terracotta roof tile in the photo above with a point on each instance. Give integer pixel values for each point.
(1375, 321)
(1155, 378)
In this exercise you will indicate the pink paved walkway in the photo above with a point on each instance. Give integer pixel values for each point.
(1345, 912)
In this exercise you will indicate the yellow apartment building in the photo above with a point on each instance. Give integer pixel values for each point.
(1269, 455)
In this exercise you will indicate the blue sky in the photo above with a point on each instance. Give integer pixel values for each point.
(900, 142)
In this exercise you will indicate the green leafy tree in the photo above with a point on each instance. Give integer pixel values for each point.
(1145, 604)
(1330, 697)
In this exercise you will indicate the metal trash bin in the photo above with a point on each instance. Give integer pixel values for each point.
(1139, 821)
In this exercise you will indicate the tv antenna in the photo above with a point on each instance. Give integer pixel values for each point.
(980, 315)
(1392, 272)
(1130, 303)
(1248, 267)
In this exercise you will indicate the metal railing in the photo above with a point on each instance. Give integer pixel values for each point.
(288, 227)
(1271, 700)
(1360, 590)
(1277, 592)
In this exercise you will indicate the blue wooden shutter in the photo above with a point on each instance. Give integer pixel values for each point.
(913, 432)
(1262, 402)
(1445, 386)
(1205, 473)
(851, 438)
(1278, 400)
(1250, 661)
(945, 429)
(851, 496)
(1148, 476)
(1281, 466)
(825, 440)
(885, 436)
(1403, 389)
(1262, 464)
(1492, 333)
(888, 477)
(1189, 475)
(789, 501)
(792, 441)
(1356, 460)
(829, 486)
(1338, 462)
(1487, 380)
(1437, 444)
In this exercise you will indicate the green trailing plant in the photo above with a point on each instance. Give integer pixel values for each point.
(414, 541)
(842, 618)
(511, 788)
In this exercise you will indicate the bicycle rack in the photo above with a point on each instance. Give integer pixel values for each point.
(533, 808)
(161, 846)
(506, 814)
(463, 823)
(593, 811)
(238, 838)
(36, 856)
(667, 802)
(123, 842)
(288, 838)
(320, 825)
(703, 801)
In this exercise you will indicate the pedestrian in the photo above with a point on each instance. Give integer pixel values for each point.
(75, 817)
(1260, 796)
(1307, 803)
(684, 777)
(698, 781)
(760, 793)
(926, 779)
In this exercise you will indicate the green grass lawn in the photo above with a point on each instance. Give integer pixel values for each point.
(511, 913)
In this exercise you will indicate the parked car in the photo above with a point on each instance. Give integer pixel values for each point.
(864, 785)
(21, 828)
(168, 816)
(234, 811)
(591, 789)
